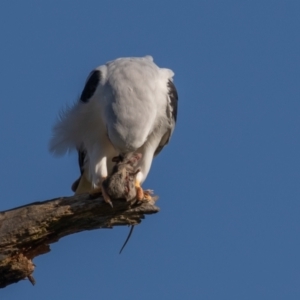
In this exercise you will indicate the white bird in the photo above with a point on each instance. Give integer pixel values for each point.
(127, 105)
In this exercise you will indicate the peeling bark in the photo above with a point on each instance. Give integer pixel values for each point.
(27, 231)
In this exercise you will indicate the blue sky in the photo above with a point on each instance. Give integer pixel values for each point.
(229, 180)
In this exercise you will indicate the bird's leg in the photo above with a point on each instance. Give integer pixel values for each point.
(147, 195)
(139, 191)
(100, 189)
(105, 195)
(142, 194)
(82, 185)
(98, 159)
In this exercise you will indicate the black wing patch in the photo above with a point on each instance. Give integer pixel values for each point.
(171, 112)
(81, 159)
(90, 86)
(173, 95)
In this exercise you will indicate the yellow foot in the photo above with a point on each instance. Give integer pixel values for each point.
(141, 194)
(95, 191)
(82, 185)
(147, 195)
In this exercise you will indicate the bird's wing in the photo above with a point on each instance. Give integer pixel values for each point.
(91, 85)
(81, 163)
(172, 103)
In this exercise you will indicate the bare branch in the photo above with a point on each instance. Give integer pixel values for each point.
(27, 231)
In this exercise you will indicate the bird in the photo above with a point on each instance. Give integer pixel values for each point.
(128, 105)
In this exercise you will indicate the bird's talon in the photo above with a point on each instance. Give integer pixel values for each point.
(143, 194)
(105, 195)
(149, 192)
(147, 195)
(139, 193)
(109, 202)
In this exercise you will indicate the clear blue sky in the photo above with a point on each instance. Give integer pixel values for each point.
(229, 225)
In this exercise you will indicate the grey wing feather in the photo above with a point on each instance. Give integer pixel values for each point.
(173, 98)
(171, 112)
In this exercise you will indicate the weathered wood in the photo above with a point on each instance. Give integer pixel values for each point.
(27, 231)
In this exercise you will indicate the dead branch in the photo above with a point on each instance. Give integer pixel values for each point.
(27, 231)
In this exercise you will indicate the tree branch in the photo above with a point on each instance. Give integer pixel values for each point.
(27, 231)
